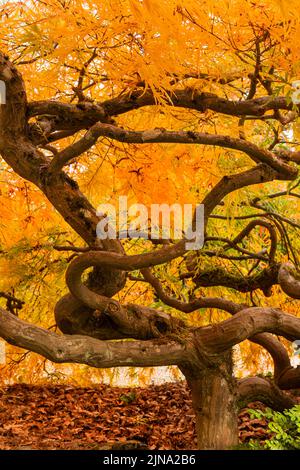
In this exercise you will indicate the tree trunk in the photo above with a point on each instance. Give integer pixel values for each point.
(215, 405)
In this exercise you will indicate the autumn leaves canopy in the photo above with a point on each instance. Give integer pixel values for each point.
(165, 102)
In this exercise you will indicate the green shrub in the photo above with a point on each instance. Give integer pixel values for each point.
(285, 428)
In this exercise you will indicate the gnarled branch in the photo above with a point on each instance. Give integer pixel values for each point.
(256, 153)
(246, 323)
(90, 351)
(259, 389)
(287, 278)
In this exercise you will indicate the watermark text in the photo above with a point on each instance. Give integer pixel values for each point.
(159, 222)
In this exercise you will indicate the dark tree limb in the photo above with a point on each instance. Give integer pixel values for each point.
(219, 276)
(257, 154)
(263, 390)
(84, 115)
(289, 280)
(289, 378)
(245, 324)
(90, 351)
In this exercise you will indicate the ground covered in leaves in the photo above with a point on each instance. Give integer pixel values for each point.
(65, 417)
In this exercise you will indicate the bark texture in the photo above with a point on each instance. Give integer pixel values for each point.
(215, 404)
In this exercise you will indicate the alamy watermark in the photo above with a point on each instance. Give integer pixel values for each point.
(296, 347)
(2, 92)
(159, 222)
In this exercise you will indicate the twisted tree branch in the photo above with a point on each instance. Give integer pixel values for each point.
(259, 389)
